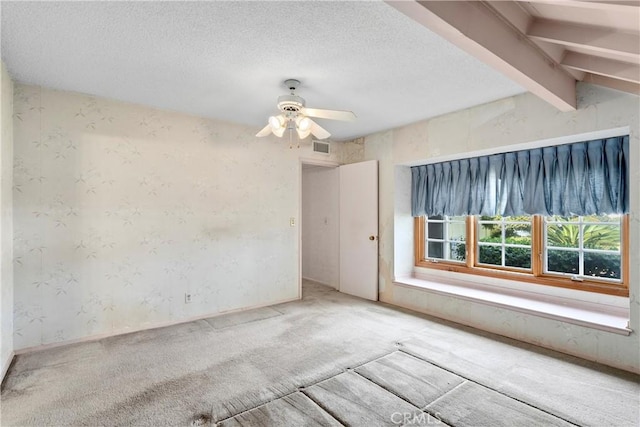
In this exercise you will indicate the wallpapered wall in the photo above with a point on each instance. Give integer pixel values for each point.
(122, 209)
(515, 120)
(6, 224)
(320, 225)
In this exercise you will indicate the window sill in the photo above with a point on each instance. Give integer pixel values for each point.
(611, 315)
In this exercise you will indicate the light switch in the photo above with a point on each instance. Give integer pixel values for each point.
(292, 221)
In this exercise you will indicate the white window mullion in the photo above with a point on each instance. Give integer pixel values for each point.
(445, 237)
(503, 234)
(580, 246)
(544, 249)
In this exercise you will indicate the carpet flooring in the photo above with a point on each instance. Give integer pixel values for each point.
(326, 360)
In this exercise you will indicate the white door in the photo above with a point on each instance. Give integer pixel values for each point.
(359, 229)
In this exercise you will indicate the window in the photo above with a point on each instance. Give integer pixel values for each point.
(504, 241)
(584, 246)
(445, 238)
(582, 252)
(533, 194)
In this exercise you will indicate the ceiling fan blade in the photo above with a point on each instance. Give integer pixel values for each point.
(329, 114)
(265, 131)
(318, 131)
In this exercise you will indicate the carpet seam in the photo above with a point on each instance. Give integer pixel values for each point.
(323, 409)
(250, 409)
(217, 423)
(333, 415)
(487, 387)
(301, 389)
(448, 422)
(402, 398)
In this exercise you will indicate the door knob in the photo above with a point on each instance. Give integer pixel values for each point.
(372, 237)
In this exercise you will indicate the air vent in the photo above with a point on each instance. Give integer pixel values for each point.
(321, 147)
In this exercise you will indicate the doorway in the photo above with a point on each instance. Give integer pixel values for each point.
(319, 222)
(338, 235)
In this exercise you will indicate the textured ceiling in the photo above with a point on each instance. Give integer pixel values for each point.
(227, 60)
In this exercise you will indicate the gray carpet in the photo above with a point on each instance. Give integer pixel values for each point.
(328, 359)
(295, 410)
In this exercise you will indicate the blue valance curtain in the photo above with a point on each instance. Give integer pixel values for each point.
(583, 178)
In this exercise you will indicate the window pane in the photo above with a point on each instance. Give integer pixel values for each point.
(435, 230)
(562, 219)
(563, 235)
(602, 265)
(458, 252)
(490, 255)
(519, 234)
(505, 231)
(517, 257)
(435, 250)
(604, 237)
(563, 261)
(489, 232)
(457, 231)
(601, 218)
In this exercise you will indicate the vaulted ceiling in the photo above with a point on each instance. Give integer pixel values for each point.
(392, 63)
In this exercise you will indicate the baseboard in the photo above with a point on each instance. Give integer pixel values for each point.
(6, 364)
(125, 331)
(309, 279)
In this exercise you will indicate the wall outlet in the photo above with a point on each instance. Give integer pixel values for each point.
(292, 222)
(188, 298)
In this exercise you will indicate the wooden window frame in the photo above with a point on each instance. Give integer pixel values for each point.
(536, 275)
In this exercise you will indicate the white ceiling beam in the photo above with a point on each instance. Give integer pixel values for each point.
(513, 13)
(604, 5)
(616, 84)
(602, 66)
(592, 38)
(477, 29)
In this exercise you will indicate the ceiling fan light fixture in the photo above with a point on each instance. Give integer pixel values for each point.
(302, 134)
(295, 116)
(303, 123)
(276, 122)
(279, 132)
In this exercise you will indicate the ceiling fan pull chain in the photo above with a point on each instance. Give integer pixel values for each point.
(290, 137)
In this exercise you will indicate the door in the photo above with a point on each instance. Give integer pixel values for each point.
(359, 229)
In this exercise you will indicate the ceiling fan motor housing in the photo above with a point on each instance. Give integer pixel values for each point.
(290, 104)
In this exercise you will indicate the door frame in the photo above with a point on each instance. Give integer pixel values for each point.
(312, 162)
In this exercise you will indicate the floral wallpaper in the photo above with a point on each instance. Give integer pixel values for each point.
(119, 210)
(122, 209)
(520, 119)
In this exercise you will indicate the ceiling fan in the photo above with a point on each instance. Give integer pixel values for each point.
(295, 116)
